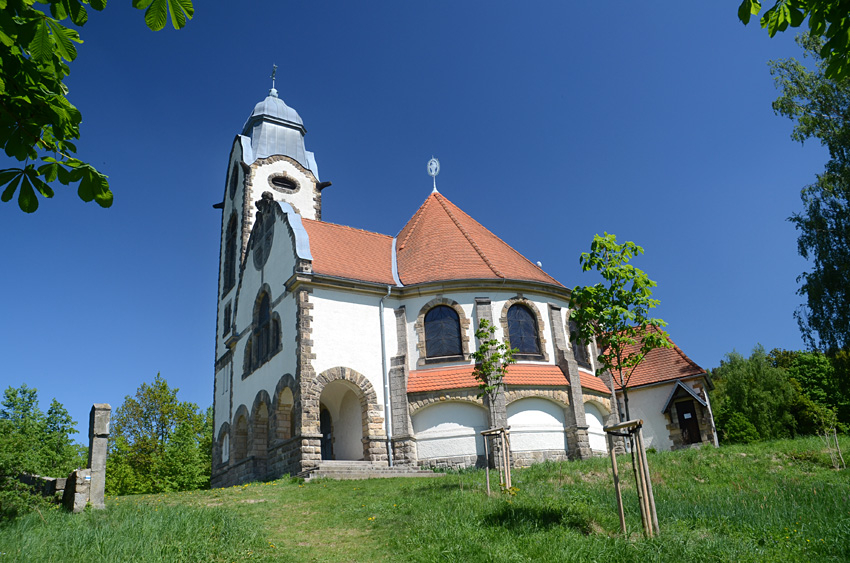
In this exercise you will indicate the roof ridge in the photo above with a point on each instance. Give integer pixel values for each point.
(415, 219)
(501, 240)
(347, 227)
(468, 236)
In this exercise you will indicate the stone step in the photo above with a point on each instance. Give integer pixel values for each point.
(344, 469)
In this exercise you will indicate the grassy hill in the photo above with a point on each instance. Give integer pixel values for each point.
(778, 501)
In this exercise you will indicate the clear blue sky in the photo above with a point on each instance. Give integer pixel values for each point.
(552, 121)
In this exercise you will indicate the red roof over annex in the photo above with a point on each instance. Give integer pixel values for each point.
(460, 377)
(663, 364)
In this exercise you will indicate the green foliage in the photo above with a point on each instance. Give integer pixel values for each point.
(37, 122)
(820, 108)
(828, 21)
(32, 442)
(616, 313)
(491, 360)
(158, 443)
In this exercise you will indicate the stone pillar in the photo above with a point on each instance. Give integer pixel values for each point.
(77, 491)
(98, 437)
(578, 442)
(404, 450)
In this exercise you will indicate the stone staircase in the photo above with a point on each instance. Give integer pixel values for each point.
(345, 470)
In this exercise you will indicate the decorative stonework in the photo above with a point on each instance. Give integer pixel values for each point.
(398, 375)
(317, 194)
(374, 437)
(541, 339)
(419, 326)
(284, 418)
(418, 401)
(560, 396)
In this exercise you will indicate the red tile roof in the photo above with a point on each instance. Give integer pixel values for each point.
(460, 377)
(441, 242)
(350, 253)
(663, 364)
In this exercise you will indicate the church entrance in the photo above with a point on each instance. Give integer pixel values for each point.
(326, 429)
(341, 418)
(688, 422)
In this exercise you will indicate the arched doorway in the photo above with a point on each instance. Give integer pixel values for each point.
(341, 414)
(595, 419)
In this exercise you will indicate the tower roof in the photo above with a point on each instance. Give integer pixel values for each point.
(276, 129)
(441, 242)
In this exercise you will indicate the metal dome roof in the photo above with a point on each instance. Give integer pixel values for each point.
(275, 108)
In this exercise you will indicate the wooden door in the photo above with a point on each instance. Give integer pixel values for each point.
(325, 427)
(688, 422)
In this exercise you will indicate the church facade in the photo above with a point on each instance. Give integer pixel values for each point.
(335, 343)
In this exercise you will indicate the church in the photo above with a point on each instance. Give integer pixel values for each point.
(335, 343)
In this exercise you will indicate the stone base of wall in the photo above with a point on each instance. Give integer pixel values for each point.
(454, 462)
(46, 486)
(526, 459)
(76, 494)
(404, 452)
(284, 459)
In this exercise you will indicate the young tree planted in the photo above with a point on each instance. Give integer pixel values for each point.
(615, 313)
(491, 360)
(37, 122)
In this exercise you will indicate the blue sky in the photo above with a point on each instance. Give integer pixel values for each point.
(552, 121)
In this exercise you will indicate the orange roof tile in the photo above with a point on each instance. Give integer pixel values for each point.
(441, 242)
(350, 253)
(460, 377)
(663, 364)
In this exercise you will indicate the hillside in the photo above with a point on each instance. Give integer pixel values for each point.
(776, 501)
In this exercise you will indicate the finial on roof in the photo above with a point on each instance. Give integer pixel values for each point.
(433, 170)
(273, 91)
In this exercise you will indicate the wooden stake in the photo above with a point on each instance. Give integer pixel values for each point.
(617, 483)
(487, 465)
(648, 478)
(644, 517)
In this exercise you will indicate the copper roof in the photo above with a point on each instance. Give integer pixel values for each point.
(460, 377)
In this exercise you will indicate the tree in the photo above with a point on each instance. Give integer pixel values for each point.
(820, 106)
(37, 122)
(753, 399)
(616, 312)
(31, 442)
(491, 360)
(828, 20)
(158, 443)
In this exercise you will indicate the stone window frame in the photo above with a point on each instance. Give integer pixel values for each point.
(543, 356)
(227, 319)
(419, 327)
(222, 446)
(287, 178)
(251, 362)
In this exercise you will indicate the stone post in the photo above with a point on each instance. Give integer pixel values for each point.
(98, 437)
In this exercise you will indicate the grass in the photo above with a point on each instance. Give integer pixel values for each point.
(777, 501)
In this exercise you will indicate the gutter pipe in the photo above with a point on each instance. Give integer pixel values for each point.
(388, 424)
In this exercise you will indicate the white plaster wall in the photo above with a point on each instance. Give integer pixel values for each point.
(230, 206)
(347, 332)
(536, 424)
(449, 429)
(221, 414)
(595, 419)
(646, 403)
(348, 428)
(302, 200)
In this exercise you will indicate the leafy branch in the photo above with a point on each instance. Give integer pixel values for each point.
(37, 122)
(491, 360)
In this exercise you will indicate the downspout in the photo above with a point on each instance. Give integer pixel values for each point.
(388, 424)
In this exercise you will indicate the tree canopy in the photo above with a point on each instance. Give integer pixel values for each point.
(616, 312)
(829, 20)
(820, 108)
(159, 443)
(37, 122)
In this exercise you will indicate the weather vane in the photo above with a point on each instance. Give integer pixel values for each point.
(274, 72)
(433, 170)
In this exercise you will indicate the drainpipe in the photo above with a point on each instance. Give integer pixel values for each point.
(387, 419)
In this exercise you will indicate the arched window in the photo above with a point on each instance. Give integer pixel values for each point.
(229, 256)
(579, 349)
(442, 332)
(265, 338)
(522, 330)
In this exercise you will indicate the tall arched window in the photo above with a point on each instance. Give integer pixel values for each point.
(442, 332)
(229, 256)
(522, 330)
(265, 337)
(579, 348)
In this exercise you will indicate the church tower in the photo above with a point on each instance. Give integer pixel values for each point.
(268, 156)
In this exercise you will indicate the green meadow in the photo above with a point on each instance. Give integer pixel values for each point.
(775, 501)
